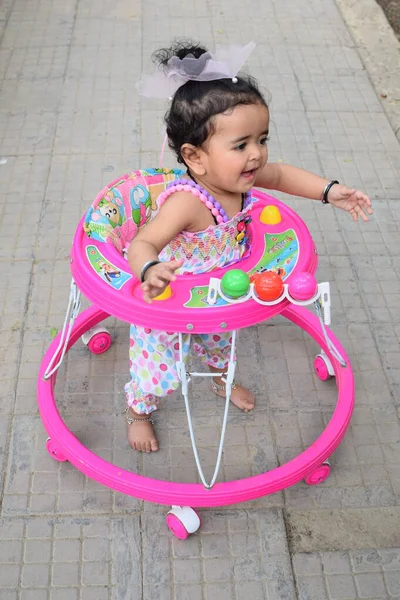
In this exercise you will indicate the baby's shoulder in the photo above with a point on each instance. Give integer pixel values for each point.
(180, 200)
(187, 209)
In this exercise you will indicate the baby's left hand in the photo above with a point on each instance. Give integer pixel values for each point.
(351, 200)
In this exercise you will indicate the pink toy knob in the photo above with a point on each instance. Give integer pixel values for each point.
(302, 286)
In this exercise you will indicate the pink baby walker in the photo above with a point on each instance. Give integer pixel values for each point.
(277, 277)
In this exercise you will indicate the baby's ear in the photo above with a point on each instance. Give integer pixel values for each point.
(192, 156)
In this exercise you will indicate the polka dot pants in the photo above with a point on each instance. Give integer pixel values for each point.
(153, 356)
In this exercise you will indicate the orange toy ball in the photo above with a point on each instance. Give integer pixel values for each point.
(268, 286)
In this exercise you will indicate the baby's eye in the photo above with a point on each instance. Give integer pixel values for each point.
(264, 140)
(241, 146)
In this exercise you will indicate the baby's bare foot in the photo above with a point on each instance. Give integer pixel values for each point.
(240, 396)
(141, 434)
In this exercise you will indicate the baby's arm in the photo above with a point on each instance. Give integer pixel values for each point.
(173, 217)
(298, 182)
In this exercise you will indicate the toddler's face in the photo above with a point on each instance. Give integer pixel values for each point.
(237, 151)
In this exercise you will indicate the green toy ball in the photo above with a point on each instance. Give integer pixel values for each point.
(235, 283)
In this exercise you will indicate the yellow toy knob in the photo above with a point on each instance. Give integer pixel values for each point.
(270, 215)
(167, 293)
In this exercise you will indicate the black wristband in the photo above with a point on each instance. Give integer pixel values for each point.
(326, 191)
(147, 266)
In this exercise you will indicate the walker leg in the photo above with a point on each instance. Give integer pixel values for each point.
(228, 380)
(74, 304)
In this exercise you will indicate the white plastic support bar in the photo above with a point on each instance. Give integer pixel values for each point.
(181, 368)
(231, 368)
(201, 374)
(184, 376)
(329, 343)
(325, 300)
(74, 305)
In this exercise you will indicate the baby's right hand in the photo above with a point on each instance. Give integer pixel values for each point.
(158, 277)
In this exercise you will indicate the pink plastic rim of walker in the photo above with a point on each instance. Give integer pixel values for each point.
(67, 446)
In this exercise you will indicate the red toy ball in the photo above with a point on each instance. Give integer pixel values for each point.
(268, 285)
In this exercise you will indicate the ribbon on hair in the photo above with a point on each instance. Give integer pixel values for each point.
(225, 63)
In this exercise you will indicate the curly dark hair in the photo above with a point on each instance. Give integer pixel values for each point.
(190, 117)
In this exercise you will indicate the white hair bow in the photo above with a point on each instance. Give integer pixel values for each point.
(224, 64)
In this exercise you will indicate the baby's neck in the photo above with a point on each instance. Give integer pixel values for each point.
(231, 202)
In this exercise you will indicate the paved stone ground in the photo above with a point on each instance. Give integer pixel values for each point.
(70, 121)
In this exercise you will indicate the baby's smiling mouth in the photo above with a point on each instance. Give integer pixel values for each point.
(249, 174)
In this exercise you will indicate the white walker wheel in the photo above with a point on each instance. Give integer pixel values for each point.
(182, 521)
(97, 339)
(87, 336)
(323, 366)
(319, 474)
(54, 451)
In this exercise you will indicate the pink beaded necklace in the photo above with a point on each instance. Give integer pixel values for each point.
(187, 185)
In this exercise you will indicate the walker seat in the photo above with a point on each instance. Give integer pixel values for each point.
(128, 203)
(282, 245)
